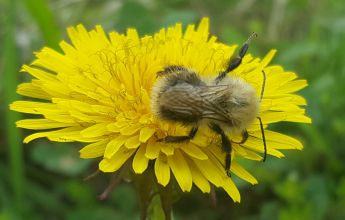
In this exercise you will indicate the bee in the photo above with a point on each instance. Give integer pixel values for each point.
(225, 104)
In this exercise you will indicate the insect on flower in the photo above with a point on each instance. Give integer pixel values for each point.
(225, 104)
(119, 92)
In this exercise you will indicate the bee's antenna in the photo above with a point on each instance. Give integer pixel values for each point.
(263, 85)
(250, 38)
(263, 138)
(245, 46)
(236, 61)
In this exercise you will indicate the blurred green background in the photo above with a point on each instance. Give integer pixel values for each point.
(44, 180)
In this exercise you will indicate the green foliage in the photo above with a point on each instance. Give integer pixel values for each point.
(59, 157)
(44, 18)
(309, 36)
(7, 94)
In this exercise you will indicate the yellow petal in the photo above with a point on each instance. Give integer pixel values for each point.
(275, 153)
(133, 36)
(33, 90)
(145, 98)
(120, 124)
(242, 173)
(293, 116)
(62, 135)
(75, 36)
(145, 119)
(181, 171)
(203, 29)
(153, 149)
(93, 150)
(37, 124)
(68, 49)
(113, 127)
(293, 86)
(257, 145)
(145, 134)
(189, 33)
(96, 130)
(118, 159)
(168, 149)
(61, 116)
(276, 80)
(281, 104)
(81, 106)
(130, 130)
(51, 60)
(39, 74)
(267, 59)
(249, 154)
(209, 170)
(279, 141)
(232, 190)
(132, 142)
(140, 162)
(198, 179)
(162, 170)
(34, 136)
(105, 110)
(201, 141)
(194, 151)
(32, 107)
(88, 118)
(114, 145)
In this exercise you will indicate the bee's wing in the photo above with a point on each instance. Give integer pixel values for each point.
(188, 103)
(214, 103)
(182, 103)
(215, 92)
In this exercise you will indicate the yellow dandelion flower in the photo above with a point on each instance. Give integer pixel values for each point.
(98, 91)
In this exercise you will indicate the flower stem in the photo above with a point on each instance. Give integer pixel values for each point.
(144, 185)
(166, 200)
(155, 200)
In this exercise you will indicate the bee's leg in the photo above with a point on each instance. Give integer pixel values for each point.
(176, 139)
(236, 61)
(226, 146)
(245, 136)
(171, 69)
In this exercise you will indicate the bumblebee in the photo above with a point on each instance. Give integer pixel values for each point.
(225, 104)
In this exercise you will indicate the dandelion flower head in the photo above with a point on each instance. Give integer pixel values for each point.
(97, 91)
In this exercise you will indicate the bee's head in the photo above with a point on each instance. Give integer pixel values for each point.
(241, 105)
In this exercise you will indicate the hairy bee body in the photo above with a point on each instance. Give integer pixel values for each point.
(181, 95)
(225, 104)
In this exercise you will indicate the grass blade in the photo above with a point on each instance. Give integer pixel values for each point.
(40, 11)
(10, 72)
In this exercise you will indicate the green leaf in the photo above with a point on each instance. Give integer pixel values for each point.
(41, 13)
